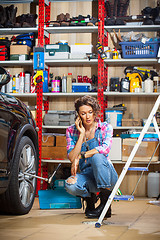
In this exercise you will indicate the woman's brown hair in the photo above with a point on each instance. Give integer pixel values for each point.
(87, 100)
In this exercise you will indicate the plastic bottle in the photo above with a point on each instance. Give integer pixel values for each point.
(45, 83)
(148, 85)
(14, 84)
(21, 82)
(64, 83)
(17, 83)
(115, 54)
(155, 82)
(27, 86)
(125, 85)
(69, 82)
(56, 85)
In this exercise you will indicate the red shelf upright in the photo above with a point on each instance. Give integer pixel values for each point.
(40, 87)
(101, 73)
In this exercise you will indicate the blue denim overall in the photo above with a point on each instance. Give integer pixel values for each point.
(95, 172)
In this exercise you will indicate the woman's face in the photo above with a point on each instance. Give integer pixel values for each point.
(87, 115)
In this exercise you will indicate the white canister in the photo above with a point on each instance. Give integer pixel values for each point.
(153, 186)
(148, 85)
(27, 86)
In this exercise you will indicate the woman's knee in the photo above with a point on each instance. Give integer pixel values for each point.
(70, 185)
(98, 159)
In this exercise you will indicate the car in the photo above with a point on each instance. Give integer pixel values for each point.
(19, 153)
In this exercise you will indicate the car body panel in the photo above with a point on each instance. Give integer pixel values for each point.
(15, 121)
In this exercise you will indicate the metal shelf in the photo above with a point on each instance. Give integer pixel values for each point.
(76, 94)
(53, 127)
(116, 128)
(115, 162)
(23, 95)
(16, 62)
(84, 29)
(130, 94)
(139, 61)
(10, 31)
(135, 28)
(71, 62)
(132, 127)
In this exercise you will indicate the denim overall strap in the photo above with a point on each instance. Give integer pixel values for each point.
(86, 146)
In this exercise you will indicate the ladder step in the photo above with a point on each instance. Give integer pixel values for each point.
(137, 169)
(124, 197)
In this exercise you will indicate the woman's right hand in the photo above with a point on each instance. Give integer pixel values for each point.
(79, 125)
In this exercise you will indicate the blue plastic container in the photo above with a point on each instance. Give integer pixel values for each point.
(81, 87)
(58, 198)
(45, 83)
(114, 117)
(139, 50)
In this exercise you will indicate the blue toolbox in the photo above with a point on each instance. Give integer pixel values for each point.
(58, 198)
(81, 87)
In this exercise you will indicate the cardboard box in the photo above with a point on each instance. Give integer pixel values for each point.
(144, 152)
(82, 48)
(115, 153)
(131, 122)
(54, 152)
(20, 49)
(61, 141)
(48, 140)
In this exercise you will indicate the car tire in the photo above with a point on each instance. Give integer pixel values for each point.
(20, 195)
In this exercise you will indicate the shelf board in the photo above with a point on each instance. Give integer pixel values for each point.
(135, 28)
(55, 161)
(71, 62)
(113, 161)
(71, 29)
(16, 62)
(86, 62)
(130, 94)
(128, 61)
(132, 127)
(10, 31)
(76, 94)
(23, 95)
(53, 127)
(115, 128)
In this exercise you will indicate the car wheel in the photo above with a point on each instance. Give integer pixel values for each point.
(19, 197)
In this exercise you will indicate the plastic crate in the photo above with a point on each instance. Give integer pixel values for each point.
(139, 50)
(58, 198)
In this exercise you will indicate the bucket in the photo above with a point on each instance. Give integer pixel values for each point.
(153, 184)
(114, 117)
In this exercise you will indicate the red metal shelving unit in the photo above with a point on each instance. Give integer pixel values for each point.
(101, 72)
(40, 86)
(44, 13)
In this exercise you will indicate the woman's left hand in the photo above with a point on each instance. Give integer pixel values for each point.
(74, 166)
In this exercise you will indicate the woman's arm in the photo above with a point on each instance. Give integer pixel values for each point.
(77, 149)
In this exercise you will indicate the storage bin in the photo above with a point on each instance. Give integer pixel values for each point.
(59, 118)
(58, 198)
(139, 50)
(114, 117)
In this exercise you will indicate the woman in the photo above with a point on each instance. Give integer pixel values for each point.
(88, 144)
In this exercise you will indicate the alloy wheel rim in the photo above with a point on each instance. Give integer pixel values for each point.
(27, 183)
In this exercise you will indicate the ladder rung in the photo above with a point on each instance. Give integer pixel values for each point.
(137, 169)
(123, 197)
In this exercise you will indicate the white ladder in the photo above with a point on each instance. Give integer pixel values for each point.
(125, 169)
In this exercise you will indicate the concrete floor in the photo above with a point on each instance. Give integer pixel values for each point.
(136, 220)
